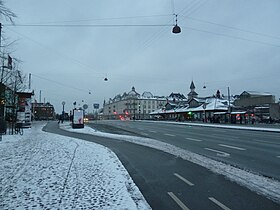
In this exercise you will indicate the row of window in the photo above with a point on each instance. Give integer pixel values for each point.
(132, 112)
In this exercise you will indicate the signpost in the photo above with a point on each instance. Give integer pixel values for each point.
(63, 104)
(204, 107)
(96, 107)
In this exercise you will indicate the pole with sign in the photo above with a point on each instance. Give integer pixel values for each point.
(96, 107)
(204, 107)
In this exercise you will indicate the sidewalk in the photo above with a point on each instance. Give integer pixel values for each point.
(40, 170)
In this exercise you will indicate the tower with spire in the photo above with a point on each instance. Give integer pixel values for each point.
(192, 94)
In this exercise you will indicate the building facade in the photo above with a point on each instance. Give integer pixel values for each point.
(258, 104)
(43, 111)
(253, 98)
(132, 105)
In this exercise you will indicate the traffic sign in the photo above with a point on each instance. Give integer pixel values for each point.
(96, 106)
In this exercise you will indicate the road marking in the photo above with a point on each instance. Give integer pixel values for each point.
(225, 136)
(268, 142)
(191, 139)
(278, 156)
(167, 134)
(218, 203)
(232, 147)
(153, 131)
(219, 153)
(178, 201)
(184, 180)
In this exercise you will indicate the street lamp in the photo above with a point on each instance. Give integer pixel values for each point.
(63, 104)
(229, 101)
(176, 29)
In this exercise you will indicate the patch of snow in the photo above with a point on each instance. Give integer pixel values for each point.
(41, 170)
(219, 126)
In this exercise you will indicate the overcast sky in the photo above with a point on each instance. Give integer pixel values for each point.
(224, 43)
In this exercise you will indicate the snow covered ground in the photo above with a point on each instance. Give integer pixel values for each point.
(41, 170)
(218, 125)
(258, 183)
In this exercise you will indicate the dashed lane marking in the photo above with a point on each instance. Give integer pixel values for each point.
(232, 147)
(219, 203)
(153, 131)
(183, 179)
(219, 153)
(178, 201)
(278, 156)
(225, 136)
(167, 134)
(191, 139)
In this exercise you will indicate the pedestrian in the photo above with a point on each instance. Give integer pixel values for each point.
(59, 119)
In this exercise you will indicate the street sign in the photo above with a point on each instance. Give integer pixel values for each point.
(85, 106)
(96, 106)
(204, 106)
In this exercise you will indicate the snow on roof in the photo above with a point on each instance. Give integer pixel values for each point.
(215, 105)
(147, 94)
(256, 93)
(200, 100)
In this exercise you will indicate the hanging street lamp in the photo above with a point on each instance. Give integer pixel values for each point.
(176, 29)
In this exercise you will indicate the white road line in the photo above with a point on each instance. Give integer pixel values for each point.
(232, 147)
(191, 139)
(224, 136)
(153, 131)
(218, 203)
(278, 156)
(183, 179)
(267, 142)
(167, 134)
(178, 201)
(219, 153)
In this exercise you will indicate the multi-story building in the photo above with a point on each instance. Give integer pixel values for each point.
(253, 98)
(43, 111)
(262, 105)
(132, 105)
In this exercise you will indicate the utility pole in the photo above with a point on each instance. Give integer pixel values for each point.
(0, 34)
(228, 100)
(2, 69)
(229, 111)
(29, 81)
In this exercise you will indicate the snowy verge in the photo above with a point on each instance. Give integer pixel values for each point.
(41, 170)
(238, 127)
(257, 183)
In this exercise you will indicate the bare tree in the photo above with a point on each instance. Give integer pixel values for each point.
(6, 13)
(14, 78)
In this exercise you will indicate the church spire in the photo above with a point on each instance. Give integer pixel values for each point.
(192, 87)
(192, 94)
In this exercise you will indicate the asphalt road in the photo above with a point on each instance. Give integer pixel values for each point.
(255, 151)
(168, 182)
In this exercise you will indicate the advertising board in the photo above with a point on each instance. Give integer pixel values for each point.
(78, 118)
